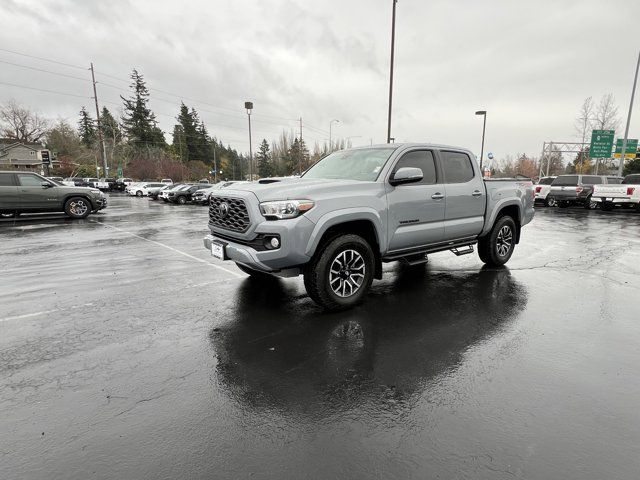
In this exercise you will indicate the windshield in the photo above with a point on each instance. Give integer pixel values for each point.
(361, 164)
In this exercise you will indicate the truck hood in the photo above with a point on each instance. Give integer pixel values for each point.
(298, 188)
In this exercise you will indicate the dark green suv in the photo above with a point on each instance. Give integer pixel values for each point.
(26, 192)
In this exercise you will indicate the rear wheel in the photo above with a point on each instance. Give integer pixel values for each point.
(589, 204)
(340, 273)
(182, 200)
(497, 246)
(550, 202)
(77, 207)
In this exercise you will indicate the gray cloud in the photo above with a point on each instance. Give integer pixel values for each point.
(530, 64)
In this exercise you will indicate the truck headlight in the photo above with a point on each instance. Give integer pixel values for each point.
(282, 209)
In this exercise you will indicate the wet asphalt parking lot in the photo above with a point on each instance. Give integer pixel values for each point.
(127, 352)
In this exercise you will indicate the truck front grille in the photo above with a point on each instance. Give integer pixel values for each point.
(229, 213)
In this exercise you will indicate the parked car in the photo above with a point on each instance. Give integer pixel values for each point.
(627, 193)
(357, 208)
(111, 182)
(183, 195)
(26, 192)
(201, 196)
(154, 192)
(167, 180)
(75, 182)
(123, 183)
(142, 189)
(59, 180)
(542, 189)
(164, 194)
(576, 190)
(97, 183)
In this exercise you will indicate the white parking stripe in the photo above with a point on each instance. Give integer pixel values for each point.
(235, 274)
(27, 315)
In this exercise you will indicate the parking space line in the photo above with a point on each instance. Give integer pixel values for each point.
(27, 315)
(235, 274)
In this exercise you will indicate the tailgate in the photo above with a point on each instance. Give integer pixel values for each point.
(610, 191)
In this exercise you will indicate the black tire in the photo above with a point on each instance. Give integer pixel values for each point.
(181, 200)
(254, 273)
(78, 207)
(138, 193)
(563, 204)
(590, 204)
(550, 201)
(497, 246)
(606, 206)
(356, 259)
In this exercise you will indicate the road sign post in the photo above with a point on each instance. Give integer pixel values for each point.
(601, 143)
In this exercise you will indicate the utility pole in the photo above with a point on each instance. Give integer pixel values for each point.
(393, 41)
(103, 151)
(626, 130)
(249, 107)
(301, 154)
(215, 165)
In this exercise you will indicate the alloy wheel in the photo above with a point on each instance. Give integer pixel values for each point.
(504, 240)
(79, 208)
(347, 273)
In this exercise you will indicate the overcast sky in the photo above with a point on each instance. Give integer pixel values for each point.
(530, 64)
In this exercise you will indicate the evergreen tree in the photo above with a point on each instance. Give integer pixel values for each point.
(188, 121)
(264, 160)
(138, 121)
(86, 128)
(298, 157)
(109, 126)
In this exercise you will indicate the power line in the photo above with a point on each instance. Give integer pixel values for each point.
(44, 90)
(43, 59)
(45, 71)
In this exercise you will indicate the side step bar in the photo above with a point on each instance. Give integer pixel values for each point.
(462, 251)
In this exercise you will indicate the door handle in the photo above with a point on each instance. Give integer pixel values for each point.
(437, 196)
(476, 193)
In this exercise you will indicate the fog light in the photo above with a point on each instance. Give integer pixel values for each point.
(275, 243)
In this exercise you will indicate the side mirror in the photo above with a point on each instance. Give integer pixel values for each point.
(46, 185)
(406, 175)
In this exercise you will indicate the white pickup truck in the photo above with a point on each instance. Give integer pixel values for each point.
(626, 194)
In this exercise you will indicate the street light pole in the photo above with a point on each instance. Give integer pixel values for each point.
(484, 126)
(393, 43)
(330, 123)
(249, 107)
(626, 130)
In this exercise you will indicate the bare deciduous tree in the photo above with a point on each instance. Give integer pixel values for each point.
(21, 124)
(585, 119)
(606, 115)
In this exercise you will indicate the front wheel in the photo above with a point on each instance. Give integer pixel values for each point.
(340, 273)
(77, 207)
(497, 246)
(138, 193)
(182, 200)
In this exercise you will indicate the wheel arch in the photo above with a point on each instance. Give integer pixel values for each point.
(507, 208)
(366, 224)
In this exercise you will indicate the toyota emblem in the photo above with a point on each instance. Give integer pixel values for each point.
(223, 209)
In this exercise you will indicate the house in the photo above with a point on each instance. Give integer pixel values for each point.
(19, 154)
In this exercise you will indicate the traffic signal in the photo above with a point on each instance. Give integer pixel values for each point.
(45, 156)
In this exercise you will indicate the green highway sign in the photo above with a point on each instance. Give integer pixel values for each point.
(630, 151)
(120, 172)
(601, 143)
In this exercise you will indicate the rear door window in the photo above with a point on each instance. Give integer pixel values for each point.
(614, 180)
(422, 159)
(545, 181)
(591, 180)
(456, 167)
(631, 180)
(566, 181)
(6, 180)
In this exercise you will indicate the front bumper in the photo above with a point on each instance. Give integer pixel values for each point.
(100, 203)
(294, 236)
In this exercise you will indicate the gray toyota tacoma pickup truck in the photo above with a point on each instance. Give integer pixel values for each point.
(357, 208)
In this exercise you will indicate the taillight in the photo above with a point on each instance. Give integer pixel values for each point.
(579, 189)
(630, 190)
(538, 189)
